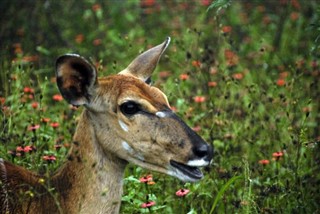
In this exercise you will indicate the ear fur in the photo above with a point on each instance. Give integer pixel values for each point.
(143, 65)
(76, 78)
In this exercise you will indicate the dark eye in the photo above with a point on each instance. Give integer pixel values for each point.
(129, 108)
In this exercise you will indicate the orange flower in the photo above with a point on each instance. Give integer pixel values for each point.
(45, 120)
(226, 29)
(34, 127)
(2, 100)
(231, 57)
(79, 38)
(196, 63)
(55, 124)
(237, 76)
(281, 82)
(277, 155)
(28, 90)
(34, 105)
(147, 3)
(264, 162)
(184, 76)
(146, 179)
(96, 7)
(57, 97)
(199, 99)
(212, 84)
(97, 42)
(294, 16)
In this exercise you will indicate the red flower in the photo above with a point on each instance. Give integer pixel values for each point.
(184, 76)
(147, 3)
(96, 7)
(212, 84)
(19, 149)
(226, 29)
(27, 149)
(97, 42)
(2, 100)
(79, 38)
(54, 124)
(231, 58)
(57, 97)
(205, 2)
(182, 192)
(199, 99)
(196, 63)
(146, 179)
(49, 158)
(237, 76)
(34, 105)
(28, 90)
(277, 154)
(281, 82)
(34, 127)
(264, 162)
(148, 204)
(45, 120)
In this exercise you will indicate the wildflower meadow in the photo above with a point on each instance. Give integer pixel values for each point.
(244, 74)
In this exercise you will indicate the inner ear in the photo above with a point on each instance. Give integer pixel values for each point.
(144, 64)
(76, 78)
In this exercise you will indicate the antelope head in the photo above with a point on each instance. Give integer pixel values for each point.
(131, 119)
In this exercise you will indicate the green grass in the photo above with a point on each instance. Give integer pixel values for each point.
(256, 64)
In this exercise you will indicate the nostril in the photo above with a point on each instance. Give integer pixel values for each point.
(202, 151)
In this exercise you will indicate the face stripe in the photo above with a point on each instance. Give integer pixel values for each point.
(123, 126)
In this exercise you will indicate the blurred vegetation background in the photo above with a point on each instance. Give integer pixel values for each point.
(244, 74)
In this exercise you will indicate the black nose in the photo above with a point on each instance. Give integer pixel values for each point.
(204, 151)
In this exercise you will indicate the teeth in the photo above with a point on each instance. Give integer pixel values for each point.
(197, 163)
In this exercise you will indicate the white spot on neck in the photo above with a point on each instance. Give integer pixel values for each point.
(123, 126)
(161, 114)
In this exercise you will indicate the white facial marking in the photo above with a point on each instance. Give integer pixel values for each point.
(197, 163)
(123, 126)
(126, 146)
(161, 114)
(130, 150)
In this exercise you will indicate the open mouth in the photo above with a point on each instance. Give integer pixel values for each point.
(192, 172)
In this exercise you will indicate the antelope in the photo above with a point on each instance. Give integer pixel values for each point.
(124, 120)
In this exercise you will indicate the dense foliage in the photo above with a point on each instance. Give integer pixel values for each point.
(244, 74)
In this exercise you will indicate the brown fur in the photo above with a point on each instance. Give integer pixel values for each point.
(90, 181)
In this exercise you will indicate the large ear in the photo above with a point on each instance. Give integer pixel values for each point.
(143, 66)
(76, 78)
